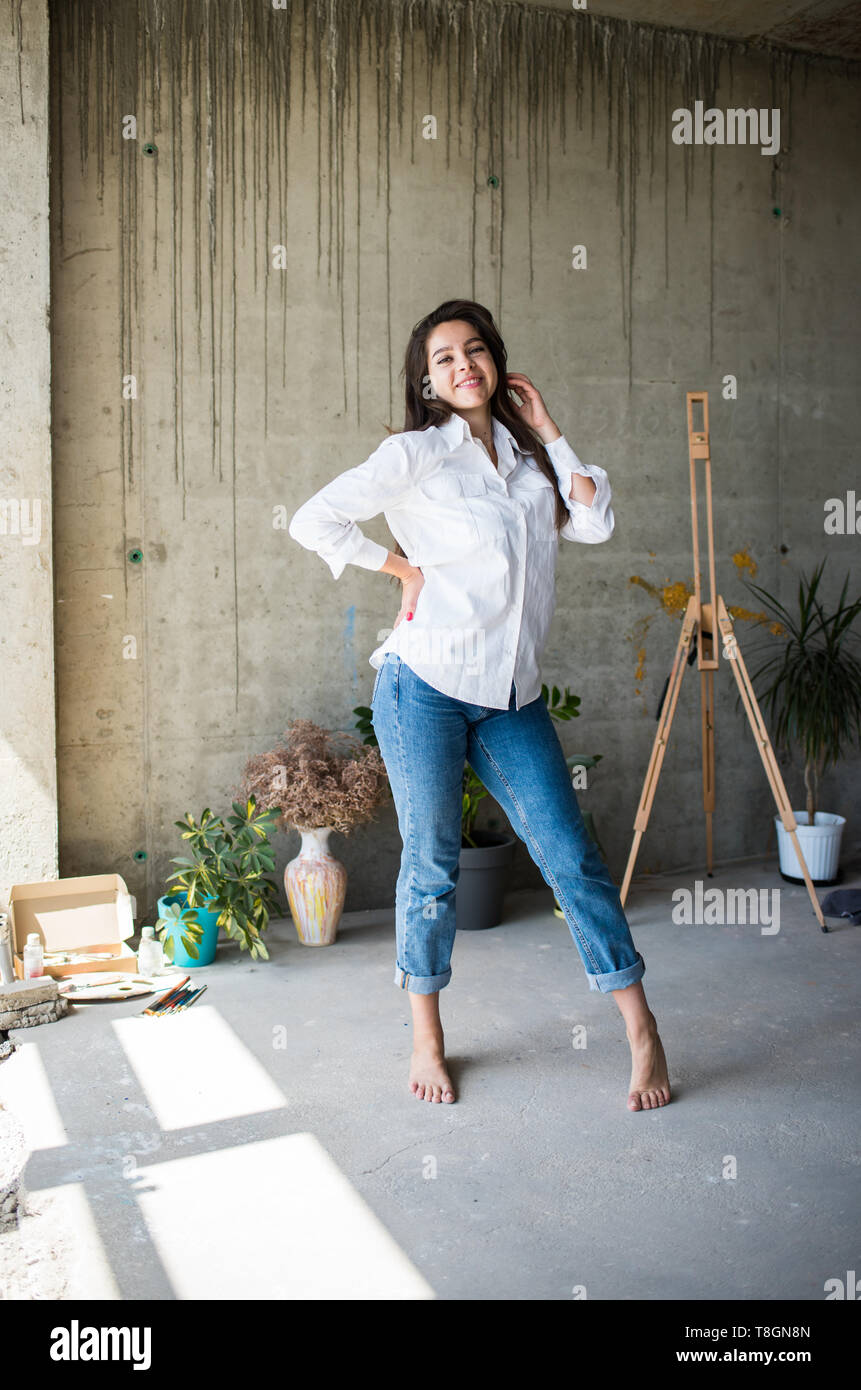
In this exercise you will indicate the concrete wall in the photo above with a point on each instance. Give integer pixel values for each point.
(255, 385)
(28, 817)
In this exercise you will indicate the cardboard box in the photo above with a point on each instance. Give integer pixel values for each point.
(93, 913)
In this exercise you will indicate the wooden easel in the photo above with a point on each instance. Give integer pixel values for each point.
(698, 625)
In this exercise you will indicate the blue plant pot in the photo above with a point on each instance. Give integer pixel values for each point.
(208, 942)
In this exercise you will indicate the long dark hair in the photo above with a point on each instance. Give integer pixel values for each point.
(420, 412)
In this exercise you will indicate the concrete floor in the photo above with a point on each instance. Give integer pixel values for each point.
(264, 1144)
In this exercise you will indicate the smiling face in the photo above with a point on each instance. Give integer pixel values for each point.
(461, 369)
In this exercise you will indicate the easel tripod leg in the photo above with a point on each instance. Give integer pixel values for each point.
(659, 746)
(763, 743)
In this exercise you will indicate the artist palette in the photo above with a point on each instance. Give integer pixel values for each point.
(99, 989)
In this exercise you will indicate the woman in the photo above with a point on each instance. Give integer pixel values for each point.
(476, 490)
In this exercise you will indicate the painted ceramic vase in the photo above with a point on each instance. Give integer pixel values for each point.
(316, 884)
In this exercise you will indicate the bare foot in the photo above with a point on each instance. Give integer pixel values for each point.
(650, 1086)
(429, 1079)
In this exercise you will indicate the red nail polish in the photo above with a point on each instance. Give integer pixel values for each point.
(409, 616)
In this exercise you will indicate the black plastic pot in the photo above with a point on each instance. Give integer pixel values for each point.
(481, 883)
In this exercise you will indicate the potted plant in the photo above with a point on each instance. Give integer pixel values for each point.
(485, 855)
(319, 781)
(224, 884)
(181, 932)
(811, 688)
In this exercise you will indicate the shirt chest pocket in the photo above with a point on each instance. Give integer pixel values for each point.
(460, 512)
(538, 495)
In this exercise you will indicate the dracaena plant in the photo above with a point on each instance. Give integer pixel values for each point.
(227, 873)
(810, 684)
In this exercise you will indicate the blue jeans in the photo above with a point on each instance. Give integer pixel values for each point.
(424, 738)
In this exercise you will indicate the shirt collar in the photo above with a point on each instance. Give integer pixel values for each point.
(455, 430)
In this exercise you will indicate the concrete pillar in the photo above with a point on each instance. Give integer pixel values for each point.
(28, 810)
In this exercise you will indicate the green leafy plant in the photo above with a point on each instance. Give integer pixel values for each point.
(810, 687)
(565, 706)
(363, 724)
(561, 705)
(474, 792)
(227, 874)
(173, 917)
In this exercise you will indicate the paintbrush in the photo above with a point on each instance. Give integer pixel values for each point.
(163, 1004)
(177, 985)
(159, 1003)
(69, 982)
(177, 999)
(191, 999)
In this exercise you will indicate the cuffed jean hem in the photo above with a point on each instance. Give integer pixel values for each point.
(421, 984)
(618, 979)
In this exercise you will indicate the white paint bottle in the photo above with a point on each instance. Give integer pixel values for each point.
(34, 964)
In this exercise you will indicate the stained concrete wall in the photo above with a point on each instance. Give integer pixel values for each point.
(28, 815)
(199, 388)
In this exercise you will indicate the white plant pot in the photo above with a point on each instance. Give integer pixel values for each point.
(820, 845)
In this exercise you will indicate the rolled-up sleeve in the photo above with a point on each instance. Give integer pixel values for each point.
(326, 523)
(587, 522)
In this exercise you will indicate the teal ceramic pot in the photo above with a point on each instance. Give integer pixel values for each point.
(208, 942)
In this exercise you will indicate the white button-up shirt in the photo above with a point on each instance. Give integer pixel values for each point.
(484, 539)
